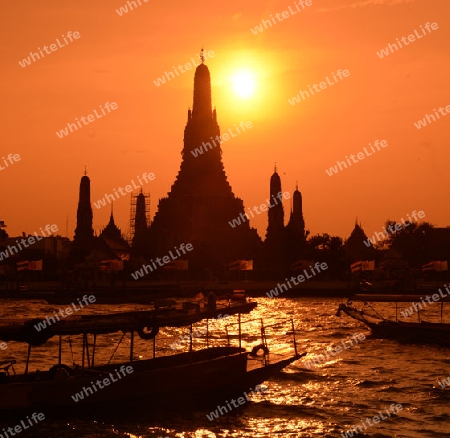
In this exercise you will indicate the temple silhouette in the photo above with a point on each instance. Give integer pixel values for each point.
(284, 244)
(201, 203)
(84, 232)
(86, 246)
(198, 210)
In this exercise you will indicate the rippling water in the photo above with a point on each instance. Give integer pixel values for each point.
(323, 401)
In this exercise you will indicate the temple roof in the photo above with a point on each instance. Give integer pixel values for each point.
(111, 231)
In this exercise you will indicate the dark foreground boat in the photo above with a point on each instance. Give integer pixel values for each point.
(186, 378)
(427, 332)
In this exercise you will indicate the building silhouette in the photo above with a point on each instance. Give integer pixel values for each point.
(112, 238)
(295, 229)
(274, 257)
(201, 204)
(275, 227)
(84, 232)
(139, 223)
(284, 244)
(3, 233)
(109, 245)
(355, 248)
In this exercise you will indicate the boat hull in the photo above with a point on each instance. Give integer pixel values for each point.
(415, 332)
(197, 378)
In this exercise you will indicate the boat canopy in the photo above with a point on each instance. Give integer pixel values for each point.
(33, 333)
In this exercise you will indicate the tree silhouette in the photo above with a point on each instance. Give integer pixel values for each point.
(415, 242)
(328, 249)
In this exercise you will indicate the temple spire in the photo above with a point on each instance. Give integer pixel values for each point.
(202, 56)
(84, 232)
(202, 105)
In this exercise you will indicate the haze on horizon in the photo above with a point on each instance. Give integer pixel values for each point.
(118, 58)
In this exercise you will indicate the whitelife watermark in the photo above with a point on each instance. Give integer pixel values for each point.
(319, 267)
(162, 261)
(63, 313)
(222, 410)
(188, 66)
(322, 358)
(90, 118)
(322, 86)
(280, 16)
(392, 230)
(431, 118)
(3, 346)
(358, 428)
(360, 156)
(106, 381)
(11, 158)
(220, 139)
(131, 4)
(49, 229)
(415, 307)
(444, 383)
(53, 48)
(244, 217)
(35, 418)
(147, 177)
(406, 40)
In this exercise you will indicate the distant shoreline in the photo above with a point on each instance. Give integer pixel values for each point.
(146, 292)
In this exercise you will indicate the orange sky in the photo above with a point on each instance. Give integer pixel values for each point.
(117, 58)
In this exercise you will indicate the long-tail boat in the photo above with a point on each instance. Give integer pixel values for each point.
(408, 324)
(210, 373)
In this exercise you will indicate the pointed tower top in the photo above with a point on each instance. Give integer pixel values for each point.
(202, 91)
(111, 231)
(85, 171)
(296, 185)
(275, 182)
(202, 56)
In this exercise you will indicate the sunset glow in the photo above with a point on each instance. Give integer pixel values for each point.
(230, 186)
(261, 61)
(243, 84)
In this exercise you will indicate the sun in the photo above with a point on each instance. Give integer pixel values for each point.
(243, 84)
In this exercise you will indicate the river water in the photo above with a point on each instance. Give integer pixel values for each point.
(346, 388)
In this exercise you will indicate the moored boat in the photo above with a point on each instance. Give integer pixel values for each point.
(187, 377)
(420, 331)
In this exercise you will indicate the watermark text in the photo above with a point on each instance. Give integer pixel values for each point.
(147, 177)
(407, 40)
(355, 158)
(280, 16)
(86, 120)
(393, 228)
(34, 56)
(318, 267)
(244, 217)
(318, 87)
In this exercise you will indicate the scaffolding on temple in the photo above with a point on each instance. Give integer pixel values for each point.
(139, 215)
